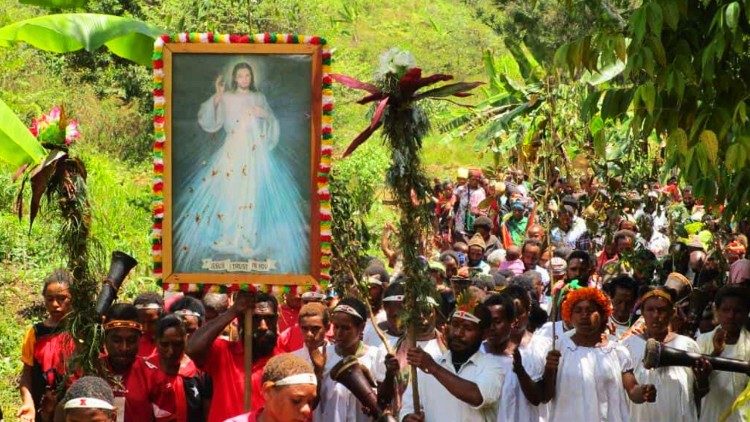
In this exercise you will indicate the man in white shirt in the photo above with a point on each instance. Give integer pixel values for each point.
(463, 384)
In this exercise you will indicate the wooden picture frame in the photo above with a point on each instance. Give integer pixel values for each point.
(257, 143)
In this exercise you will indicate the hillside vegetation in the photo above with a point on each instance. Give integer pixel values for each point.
(110, 99)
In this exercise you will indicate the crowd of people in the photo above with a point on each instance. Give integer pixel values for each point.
(535, 316)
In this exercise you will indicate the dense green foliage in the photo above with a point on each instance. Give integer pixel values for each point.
(684, 82)
(110, 98)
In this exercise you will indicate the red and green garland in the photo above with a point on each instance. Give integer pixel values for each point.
(324, 168)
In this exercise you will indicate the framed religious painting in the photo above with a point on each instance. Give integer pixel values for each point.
(241, 154)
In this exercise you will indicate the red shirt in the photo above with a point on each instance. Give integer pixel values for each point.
(287, 317)
(146, 346)
(145, 392)
(290, 339)
(226, 368)
(190, 389)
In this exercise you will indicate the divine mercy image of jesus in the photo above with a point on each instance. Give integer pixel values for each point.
(240, 206)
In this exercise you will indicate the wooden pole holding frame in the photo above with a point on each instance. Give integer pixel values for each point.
(248, 356)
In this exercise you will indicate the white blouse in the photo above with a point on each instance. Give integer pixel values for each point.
(589, 383)
(674, 384)
(337, 403)
(725, 386)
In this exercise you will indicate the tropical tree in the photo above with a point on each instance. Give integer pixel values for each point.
(685, 83)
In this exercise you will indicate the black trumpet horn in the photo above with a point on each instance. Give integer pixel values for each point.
(658, 355)
(359, 381)
(119, 268)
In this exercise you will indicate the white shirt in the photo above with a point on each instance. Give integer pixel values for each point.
(303, 353)
(337, 403)
(589, 383)
(674, 384)
(486, 371)
(513, 405)
(369, 336)
(725, 386)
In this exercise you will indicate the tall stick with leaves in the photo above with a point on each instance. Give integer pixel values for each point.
(62, 179)
(404, 125)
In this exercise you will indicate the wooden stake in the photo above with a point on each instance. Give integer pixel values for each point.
(411, 338)
(248, 358)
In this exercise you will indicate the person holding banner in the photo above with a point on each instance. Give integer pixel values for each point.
(223, 360)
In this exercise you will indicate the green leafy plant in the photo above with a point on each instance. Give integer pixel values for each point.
(128, 38)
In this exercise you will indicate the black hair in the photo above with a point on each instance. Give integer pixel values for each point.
(265, 297)
(734, 291)
(622, 281)
(498, 279)
(148, 298)
(357, 305)
(502, 299)
(58, 276)
(520, 292)
(532, 242)
(90, 387)
(376, 269)
(449, 254)
(621, 234)
(190, 304)
(537, 317)
(571, 201)
(562, 252)
(394, 289)
(483, 221)
(580, 254)
(169, 321)
(482, 311)
(483, 281)
(122, 311)
(236, 69)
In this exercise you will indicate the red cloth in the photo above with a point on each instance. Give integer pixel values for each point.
(146, 392)
(176, 383)
(52, 351)
(226, 367)
(287, 317)
(146, 346)
(291, 339)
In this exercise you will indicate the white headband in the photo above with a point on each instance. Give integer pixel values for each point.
(375, 279)
(88, 403)
(313, 296)
(186, 312)
(148, 306)
(348, 310)
(395, 298)
(467, 316)
(306, 378)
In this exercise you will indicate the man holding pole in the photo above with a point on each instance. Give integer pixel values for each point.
(464, 383)
(224, 360)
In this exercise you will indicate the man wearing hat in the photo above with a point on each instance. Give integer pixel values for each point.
(483, 227)
(476, 255)
(463, 384)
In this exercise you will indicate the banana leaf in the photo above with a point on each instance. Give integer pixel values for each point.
(55, 4)
(128, 38)
(18, 146)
